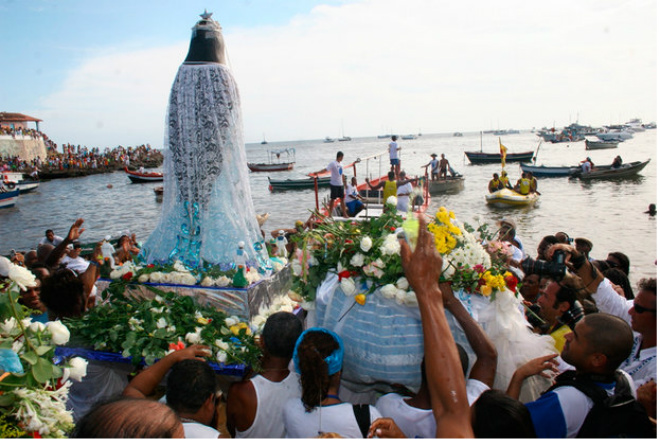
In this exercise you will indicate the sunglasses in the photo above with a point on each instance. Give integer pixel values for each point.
(640, 309)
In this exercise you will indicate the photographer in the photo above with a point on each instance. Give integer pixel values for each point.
(640, 313)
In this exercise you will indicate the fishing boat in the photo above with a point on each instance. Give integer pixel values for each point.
(274, 161)
(448, 185)
(545, 171)
(139, 178)
(297, 184)
(599, 145)
(13, 180)
(8, 198)
(627, 170)
(508, 198)
(493, 158)
(328, 139)
(409, 137)
(271, 167)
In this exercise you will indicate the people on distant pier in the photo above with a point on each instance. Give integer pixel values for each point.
(395, 156)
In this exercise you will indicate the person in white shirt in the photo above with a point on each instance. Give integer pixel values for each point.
(51, 239)
(395, 161)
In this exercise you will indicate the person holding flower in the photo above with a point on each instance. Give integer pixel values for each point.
(318, 357)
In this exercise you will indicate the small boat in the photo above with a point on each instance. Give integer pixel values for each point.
(270, 167)
(493, 158)
(408, 137)
(139, 178)
(8, 198)
(345, 138)
(13, 180)
(328, 139)
(599, 145)
(614, 135)
(626, 170)
(297, 184)
(509, 198)
(545, 171)
(449, 185)
(457, 134)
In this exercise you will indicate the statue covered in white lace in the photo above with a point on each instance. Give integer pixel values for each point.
(207, 204)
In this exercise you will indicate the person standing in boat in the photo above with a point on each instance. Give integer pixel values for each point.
(336, 182)
(435, 167)
(395, 161)
(444, 165)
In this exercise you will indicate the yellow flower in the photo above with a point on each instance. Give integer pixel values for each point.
(235, 329)
(485, 290)
(203, 321)
(361, 299)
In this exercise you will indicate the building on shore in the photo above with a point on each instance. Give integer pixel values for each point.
(18, 139)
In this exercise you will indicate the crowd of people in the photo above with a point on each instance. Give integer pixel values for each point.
(76, 157)
(604, 334)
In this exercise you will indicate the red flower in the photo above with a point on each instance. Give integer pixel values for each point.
(177, 346)
(151, 265)
(511, 282)
(392, 228)
(346, 274)
(127, 276)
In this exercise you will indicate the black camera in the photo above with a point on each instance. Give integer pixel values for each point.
(556, 268)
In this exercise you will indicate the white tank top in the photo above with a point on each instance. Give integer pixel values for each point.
(271, 398)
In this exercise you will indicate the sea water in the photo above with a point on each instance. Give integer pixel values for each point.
(609, 213)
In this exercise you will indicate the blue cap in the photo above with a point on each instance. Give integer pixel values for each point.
(334, 360)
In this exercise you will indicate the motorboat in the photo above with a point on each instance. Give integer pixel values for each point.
(139, 178)
(12, 180)
(448, 185)
(549, 171)
(510, 198)
(8, 198)
(298, 184)
(270, 167)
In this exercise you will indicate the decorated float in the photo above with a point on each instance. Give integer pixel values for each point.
(349, 276)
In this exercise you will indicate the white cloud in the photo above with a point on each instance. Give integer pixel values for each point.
(380, 65)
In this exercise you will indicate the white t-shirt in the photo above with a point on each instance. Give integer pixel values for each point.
(271, 398)
(351, 193)
(394, 150)
(336, 171)
(403, 192)
(194, 429)
(337, 418)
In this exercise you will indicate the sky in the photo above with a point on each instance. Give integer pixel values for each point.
(99, 73)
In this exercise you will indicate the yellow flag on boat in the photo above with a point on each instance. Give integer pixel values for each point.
(502, 152)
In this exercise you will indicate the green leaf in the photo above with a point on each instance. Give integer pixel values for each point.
(42, 370)
(31, 357)
(7, 400)
(41, 350)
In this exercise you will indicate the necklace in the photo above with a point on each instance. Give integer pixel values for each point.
(333, 396)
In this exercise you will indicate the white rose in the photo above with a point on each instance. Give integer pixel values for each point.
(8, 325)
(222, 344)
(77, 368)
(161, 323)
(400, 296)
(222, 281)
(194, 337)
(391, 245)
(287, 308)
(258, 321)
(221, 356)
(188, 279)
(402, 283)
(22, 276)
(178, 266)
(392, 200)
(410, 299)
(388, 291)
(312, 261)
(156, 277)
(207, 281)
(357, 260)
(158, 298)
(58, 332)
(366, 243)
(17, 346)
(171, 328)
(115, 274)
(348, 286)
(37, 327)
(296, 268)
(143, 278)
(231, 321)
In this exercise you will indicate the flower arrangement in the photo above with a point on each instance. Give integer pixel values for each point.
(177, 273)
(366, 256)
(149, 329)
(33, 390)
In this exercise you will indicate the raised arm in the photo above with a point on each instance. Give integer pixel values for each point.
(444, 373)
(146, 381)
(486, 364)
(74, 234)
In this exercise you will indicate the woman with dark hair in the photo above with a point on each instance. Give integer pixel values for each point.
(620, 280)
(318, 358)
(497, 415)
